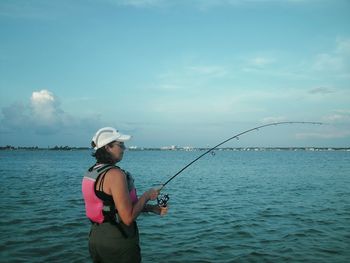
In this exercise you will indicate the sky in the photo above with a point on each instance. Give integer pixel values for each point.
(180, 72)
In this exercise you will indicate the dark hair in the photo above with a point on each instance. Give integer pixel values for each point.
(102, 156)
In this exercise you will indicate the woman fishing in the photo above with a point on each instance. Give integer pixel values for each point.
(111, 202)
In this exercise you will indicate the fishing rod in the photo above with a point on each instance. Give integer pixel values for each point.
(162, 201)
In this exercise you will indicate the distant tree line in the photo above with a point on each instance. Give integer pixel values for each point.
(55, 148)
(177, 148)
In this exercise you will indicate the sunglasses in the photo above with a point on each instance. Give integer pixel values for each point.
(120, 144)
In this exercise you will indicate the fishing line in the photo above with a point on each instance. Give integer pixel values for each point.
(162, 201)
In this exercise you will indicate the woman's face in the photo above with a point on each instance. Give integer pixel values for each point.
(116, 149)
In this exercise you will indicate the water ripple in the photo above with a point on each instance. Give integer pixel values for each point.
(234, 207)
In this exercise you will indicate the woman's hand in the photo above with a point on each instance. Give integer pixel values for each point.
(153, 193)
(156, 209)
(162, 211)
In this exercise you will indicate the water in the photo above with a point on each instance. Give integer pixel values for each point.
(273, 206)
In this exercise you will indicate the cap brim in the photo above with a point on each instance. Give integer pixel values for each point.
(123, 138)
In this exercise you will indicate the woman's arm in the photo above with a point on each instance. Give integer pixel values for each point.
(156, 209)
(127, 211)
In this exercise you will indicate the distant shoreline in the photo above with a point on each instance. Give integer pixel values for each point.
(178, 148)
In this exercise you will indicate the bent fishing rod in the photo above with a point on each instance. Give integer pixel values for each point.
(164, 198)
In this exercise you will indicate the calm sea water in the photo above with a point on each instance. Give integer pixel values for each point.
(273, 206)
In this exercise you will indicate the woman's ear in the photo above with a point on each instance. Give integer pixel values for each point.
(108, 148)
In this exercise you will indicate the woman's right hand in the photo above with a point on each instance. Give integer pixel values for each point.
(153, 193)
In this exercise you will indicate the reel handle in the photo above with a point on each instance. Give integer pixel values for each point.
(163, 200)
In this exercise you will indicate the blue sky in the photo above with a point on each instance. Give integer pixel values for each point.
(174, 72)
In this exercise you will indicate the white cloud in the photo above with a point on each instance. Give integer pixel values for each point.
(140, 3)
(200, 4)
(14, 116)
(343, 46)
(42, 96)
(209, 71)
(44, 106)
(337, 59)
(336, 127)
(37, 10)
(338, 116)
(169, 87)
(260, 61)
(273, 119)
(42, 114)
(336, 134)
(334, 63)
(265, 64)
(327, 61)
(190, 77)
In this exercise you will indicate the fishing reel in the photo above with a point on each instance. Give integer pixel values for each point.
(162, 200)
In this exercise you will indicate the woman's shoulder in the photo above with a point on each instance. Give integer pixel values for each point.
(116, 173)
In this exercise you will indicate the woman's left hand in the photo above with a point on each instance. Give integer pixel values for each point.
(161, 210)
(156, 209)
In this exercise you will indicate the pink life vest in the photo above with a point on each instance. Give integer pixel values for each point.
(94, 206)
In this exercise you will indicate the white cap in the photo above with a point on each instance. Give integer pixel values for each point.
(107, 135)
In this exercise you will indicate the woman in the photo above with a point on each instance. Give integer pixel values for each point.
(111, 202)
